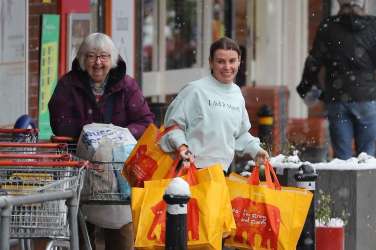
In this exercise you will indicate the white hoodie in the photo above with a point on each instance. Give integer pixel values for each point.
(213, 123)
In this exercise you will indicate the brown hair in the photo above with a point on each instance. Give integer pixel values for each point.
(224, 43)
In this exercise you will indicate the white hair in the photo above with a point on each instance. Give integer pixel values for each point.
(360, 3)
(97, 41)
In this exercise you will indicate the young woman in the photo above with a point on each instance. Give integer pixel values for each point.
(211, 116)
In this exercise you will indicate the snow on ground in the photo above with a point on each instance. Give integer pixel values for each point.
(362, 162)
(280, 162)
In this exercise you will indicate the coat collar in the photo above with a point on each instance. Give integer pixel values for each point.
(115, 75)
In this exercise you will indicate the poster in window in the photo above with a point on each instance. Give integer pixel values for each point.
(78, 28)
(48, 70)
(123, 31)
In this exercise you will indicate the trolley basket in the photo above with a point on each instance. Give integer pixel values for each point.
(45, 219)
(104, 184)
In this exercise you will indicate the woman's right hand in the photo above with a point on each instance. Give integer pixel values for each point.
(186, 155)
(261, 157)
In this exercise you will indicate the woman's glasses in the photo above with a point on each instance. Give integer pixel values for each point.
(91, 57)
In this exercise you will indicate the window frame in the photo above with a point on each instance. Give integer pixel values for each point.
(160, 81)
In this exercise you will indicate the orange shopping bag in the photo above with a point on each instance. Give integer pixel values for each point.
(147, 161)
(267, 216)
(209, 211)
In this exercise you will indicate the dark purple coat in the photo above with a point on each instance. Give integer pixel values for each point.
(73, 104)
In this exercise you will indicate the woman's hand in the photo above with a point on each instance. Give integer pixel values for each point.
(186, 155)
(261, 157)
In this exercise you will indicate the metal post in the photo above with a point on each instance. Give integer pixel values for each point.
(306, 178)
(84, 232)
(177, 196)
(6, 212)
(73, 225)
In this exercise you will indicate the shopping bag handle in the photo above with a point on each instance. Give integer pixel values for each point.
(270, 176)
(166, 130)
(190, 172)
(178, 170)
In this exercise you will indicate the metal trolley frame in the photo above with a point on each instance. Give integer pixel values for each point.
(26, 147)
(32, 200)
(101, 187)
(19, 134)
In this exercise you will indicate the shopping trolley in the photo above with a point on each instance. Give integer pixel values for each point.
(102, 185)
(38, 147)
(70, 141)
(102, 182)
(19, 134)
(37, 157)
(32, 200)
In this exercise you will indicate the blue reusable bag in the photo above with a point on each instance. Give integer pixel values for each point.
(120, 154)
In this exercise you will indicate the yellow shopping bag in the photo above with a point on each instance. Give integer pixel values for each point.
(209, 211)
(267, 216)
(147, 161)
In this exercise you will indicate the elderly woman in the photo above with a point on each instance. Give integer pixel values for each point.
(97, 89)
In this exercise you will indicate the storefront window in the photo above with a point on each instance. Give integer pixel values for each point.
(218, 23)
(94, 15)
(181, 34)
(148, 34)
(371, 7)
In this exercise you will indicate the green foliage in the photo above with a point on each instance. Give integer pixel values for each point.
(323, 209)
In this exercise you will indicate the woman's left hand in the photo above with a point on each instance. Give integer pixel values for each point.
(261, 156)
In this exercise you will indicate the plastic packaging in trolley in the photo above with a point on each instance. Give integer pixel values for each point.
(92, 135)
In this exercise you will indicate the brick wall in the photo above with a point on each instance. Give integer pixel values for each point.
(36, 9)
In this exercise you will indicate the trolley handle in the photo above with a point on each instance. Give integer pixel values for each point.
(19, 130)
(62, 146)
(63, 157)
(96, 165)
(63, 139)
(57, 164)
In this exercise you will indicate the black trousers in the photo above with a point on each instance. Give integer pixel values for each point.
(114, 239)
